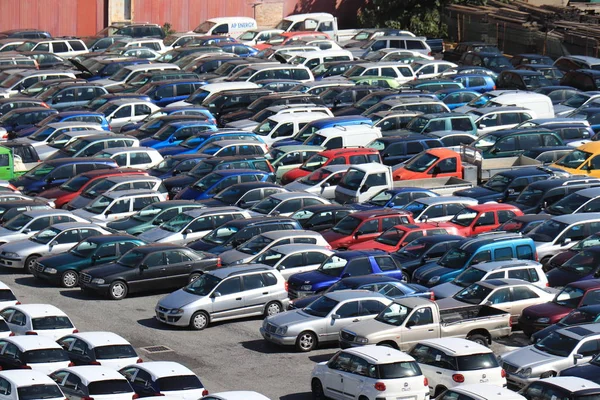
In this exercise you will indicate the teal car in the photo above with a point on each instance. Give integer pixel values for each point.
(153, 215)
(63, 269)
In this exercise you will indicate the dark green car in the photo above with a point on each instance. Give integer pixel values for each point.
(153, 215)
(63, 269)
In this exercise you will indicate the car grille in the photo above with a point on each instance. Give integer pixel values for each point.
(162, 309)
(85, 278)
(271, 328)
(347, 336)
(39, 267)
(511, 369)
(292, 293)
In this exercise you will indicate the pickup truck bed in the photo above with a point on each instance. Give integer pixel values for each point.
(454, 315)
(488, 167)
(441, 186)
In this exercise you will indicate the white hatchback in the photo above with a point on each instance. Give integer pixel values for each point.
(99, 348)
(32, 352)
(18, 384)
(38, 319)
(93, 382)
(369, 372)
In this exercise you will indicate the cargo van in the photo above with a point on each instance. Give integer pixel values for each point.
(229, 26)
(339, 137)
(285, 125)
(319, 22)
(317, 125)
(540, 104)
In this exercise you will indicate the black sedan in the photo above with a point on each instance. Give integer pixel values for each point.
(147, 268)
(321, 216)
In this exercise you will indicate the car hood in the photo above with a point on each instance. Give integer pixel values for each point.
(107, 82)
(102, 271)
(172, 150)
(347, 111)
(155, 234)
(7, 235)
(209, 247)
(447, 289)
(149, 142)
(364, 206)
(549, 309)
(124, 224)
(54, 193)
(560, 109)
(286, 142)
(231, 256)
(479, 192)
(430, 270)
(212, 202)
(297, 186)
(63, 261)
(372, 327)
(558, 277)
(450, 303)
(188, 194)
(241, 124)
(372, 245)
(178, 299)
(180, 180)
(529, 357)
(310, 277)
(402, 174)
(333, 237)
(23, 247)
(22, 181)
(291, 317)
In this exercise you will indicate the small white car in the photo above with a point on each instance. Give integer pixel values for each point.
(27, 224)
(292, 259)
(93, 382)
(18, 384)
(99, 348)
(146, 379)
(132, 157)
(38, 319)
(39, 353)
(369, 372)
(449, 362)
(121, 112)
(426, 69)
(45, 134)
(480, 391)
(321, 182)
(287, 203)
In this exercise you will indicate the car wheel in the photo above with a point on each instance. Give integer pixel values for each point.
(199, 320)
(317, 390)
(272, 308)
(30, 263)
(479, 339)
(117, 290)
(439, 390)
(306, 341)
(69, 279)
(193, 277)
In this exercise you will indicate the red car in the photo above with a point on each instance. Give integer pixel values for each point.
(347, 156)
(564, 256)
(400, 235)
(364, 225)
(73, 187)
(483, 218)
(574, 295)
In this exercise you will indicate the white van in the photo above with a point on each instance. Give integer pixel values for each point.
(228, 26)
(344, 136)
(539, 103)
(320, 22)
(253, 37)
(311, 59)
(213, 88)
(281, 126)
(401, 72)
(361, 182)
(259, 72)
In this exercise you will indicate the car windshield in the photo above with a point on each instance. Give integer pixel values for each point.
(220, 235)
(486, 142)
(166, 165)
(417, 124)
(474, 362)
(207, 182)
(574, 159)
(99, 205)
(498, 183)
(269, 257)
(255, 245)
(164, 133)
(131, 259)
(265, 206)
(18, 222)
(315, 162)
(421, 163)
(42, 134)
(391, 237)
(41, 391)
(590, 241)
(579, 317)
(415, 207)
(97, 188)
(45, 236)
(416, 248)
(120, 75)
(381, 198)
(455, 258)
(530, 196)
(231, 195)
(321, 307)
(84, 249)
(474, 294)
(194, 141)
(569, 297)
(316, 177)
(112, 352)
(464, 217)
(177, 223)
(352, 179)
(568, 205)
(347, 225)
(395, 314)
(469, 276)
(179, 382)
(584, 263)
(333, 266)
(557, 344)
(75, 183)
(45, 356)
(76, 146)
(548, 231)
(266, 127)
(148, 213)
(51, 322)
(576, 101)
(203, 285)
(39, 172)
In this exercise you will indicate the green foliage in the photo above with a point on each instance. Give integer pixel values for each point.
(167, 28)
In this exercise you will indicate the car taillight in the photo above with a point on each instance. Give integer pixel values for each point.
(503, 373)
(494, 88)
(328, 247)
(139, 361)
(432, 296)
(45, 105)
(547, 284)
(205, 392)
(425, 382)
(219, 263)
(95, 363)
(12, 334)
(135, 396)
(71, 364)
(536, 257)
(458, 378)
(18, 303)
(25, 367)
(157, 394)
(87, 398)
(31, 333)
(380, 386)
(75, 330)
(287, 286)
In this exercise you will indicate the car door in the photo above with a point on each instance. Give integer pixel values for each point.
(9, 356)
(119, 209)
(434, 364)
(73, 387)
(485, 222)
(418, 326)
(255, 293)
(140, 380)
(149, 274)
(78, 351)
(16, 320)
(227, 299)
(178, 267)
(338, 370)
(522, 297)
(340, 317)
(197, 229)
(121, 116)
(588, 349)
(501, 299)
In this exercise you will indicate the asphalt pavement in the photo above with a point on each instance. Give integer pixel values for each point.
(226, 356)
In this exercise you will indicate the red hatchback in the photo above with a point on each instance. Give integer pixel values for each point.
(364, 225)
(72, 188)
(483, 218)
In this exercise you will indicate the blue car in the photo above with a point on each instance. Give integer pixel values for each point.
(393, 198)
(342, 264)
(589, 371)
(240, 49)
(319, 124)
(591, 114)
(476, 82)
(66, 116)
(455, 98)
(214, 182)
(163, 93)
(176, 132)
(176, 165)
(195, 143)
(179, 110)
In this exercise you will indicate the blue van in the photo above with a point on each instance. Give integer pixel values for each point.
(317, 125)
(54, 173)
(166, 92)
(217, 181)
(492, 246)
(174, 133)
(66, 116)
(195, 143)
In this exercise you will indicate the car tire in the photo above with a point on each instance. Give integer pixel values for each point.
(479, 339)
(273, 308)
(317, 390)
(30, 263)
(193, 277)
(439, 390)
(306, 341)
(117, 290)
(69, 279)
(199, 321)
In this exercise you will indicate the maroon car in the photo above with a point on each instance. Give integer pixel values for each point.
(576, 294)
(561, 258)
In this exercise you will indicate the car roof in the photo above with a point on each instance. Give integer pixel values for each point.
(285, 233)
(45, 213)
(96, 339)
(456, 346)
(39, 310)
(490, 207)
(586, 284)
(580, 331)
(343, 295)
(505, 264)
(94, 373)
(20, 377)
(379, 354)
(239, 270)
(130, 192)
(292, 195)
(379, 213)
(570, 383)
(33, 342)
(489, 392)
(300, 247)
(574, 218)
(117, 150)
(446, 199)
(198, 212)
(350, 254)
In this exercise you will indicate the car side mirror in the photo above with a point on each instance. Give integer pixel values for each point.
(335, 316)
(488, 303)
(482, 126)
(171, 139)
(108, 212)
(143, 267)
(364, 188)
(356, 235)
(216, 294)
(566, 241)
(325, 185)
(577, 357)
(26, 230)
(49, 179)
(436, 170)
(424, 259)
(188, 231)
(410, 324)
(346, 275)
(281, 267)
(158, 97)
(494, 151)
(275, 213)
(511, 191)
(53, 243)
(176, 172)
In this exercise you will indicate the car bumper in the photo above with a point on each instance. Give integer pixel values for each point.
(102, 289)
(39, 273)
(519, 382)
(298, 294)
(530, 327)
(7, 262)
(278, 339)
(171, 319)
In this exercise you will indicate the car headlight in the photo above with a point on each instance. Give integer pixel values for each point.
(306, 287)
(20, 188)
(282, 330)
(50, 270)
(98, 281)
(434, 280)
(547, 374)
(361, 340)
(265, 323)
(526, 372)
(544, 320)
(237, 262)
(176, 311)
(12, 255)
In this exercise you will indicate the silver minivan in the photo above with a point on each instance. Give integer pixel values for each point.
(223, 294)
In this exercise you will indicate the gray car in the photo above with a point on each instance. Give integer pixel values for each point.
(321, 182)
(291, 259)
(259, 244)
(55, 239)
(31, 222)
(559, 350)
(285, 204)
(224, 294)
(323, 319)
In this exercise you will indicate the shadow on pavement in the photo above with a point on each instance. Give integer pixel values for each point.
(317, 358)
(262, 346)
(32, 282)
(154, 324)
(81, 295)
(297, 396)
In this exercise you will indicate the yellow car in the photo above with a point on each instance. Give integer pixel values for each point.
(583, 160)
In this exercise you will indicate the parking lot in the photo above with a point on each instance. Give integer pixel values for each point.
(226, 356)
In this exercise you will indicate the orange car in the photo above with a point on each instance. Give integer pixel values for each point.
(288, 37)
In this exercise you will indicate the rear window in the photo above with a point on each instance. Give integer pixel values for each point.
(109, 387)
(182, 382)
(112, 352)
(51, 323)
(45, 356)
(398, 370)
(7, 295)
(476, 361)
(35, 392)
